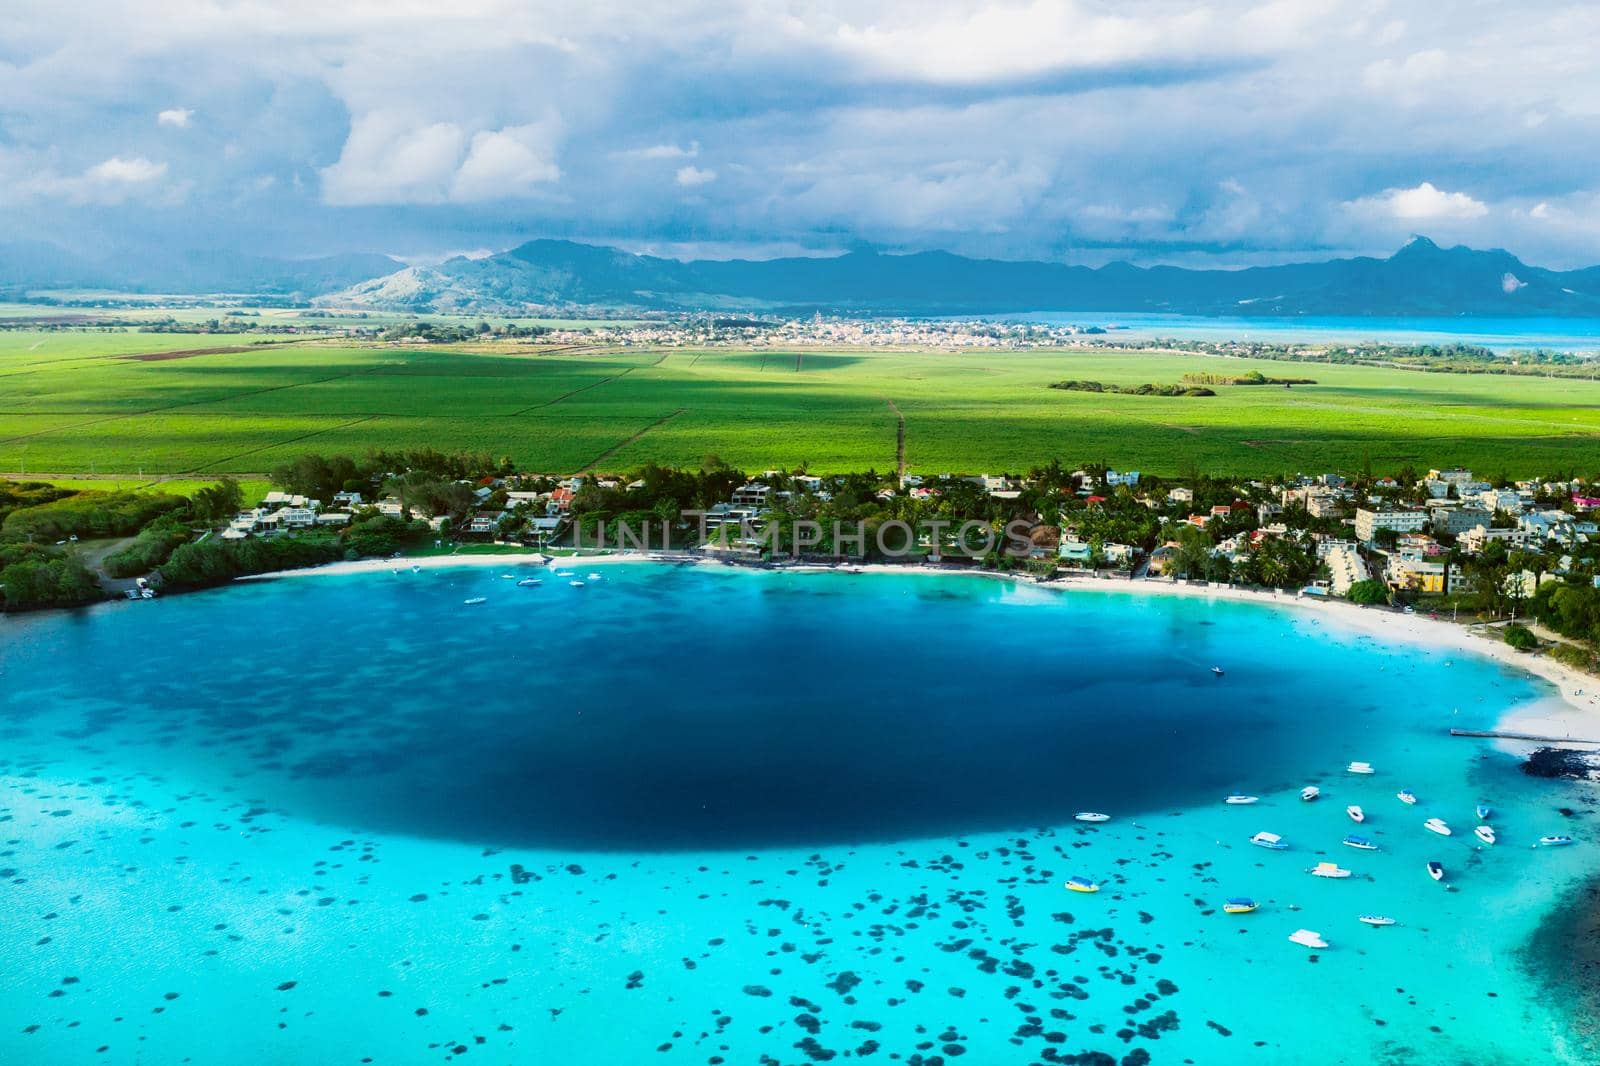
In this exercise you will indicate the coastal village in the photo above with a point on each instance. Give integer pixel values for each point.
(1417, 538)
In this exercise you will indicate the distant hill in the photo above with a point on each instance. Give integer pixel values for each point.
(37, 265)
(1420, 279)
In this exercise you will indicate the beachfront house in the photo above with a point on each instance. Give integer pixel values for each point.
(1161, 560)
(1075, 552)
(1415, 574)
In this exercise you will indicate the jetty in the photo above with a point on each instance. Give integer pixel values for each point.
(1501, 734)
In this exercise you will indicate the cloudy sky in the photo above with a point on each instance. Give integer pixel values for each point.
(1157, 130)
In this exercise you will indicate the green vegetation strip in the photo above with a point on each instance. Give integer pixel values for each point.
(70, 407)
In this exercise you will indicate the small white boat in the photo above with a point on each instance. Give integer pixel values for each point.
(576, 584)
(1406, 796)
(563, 573)
(1360, 842)
(1239, 800)
(1436, 870)
(594, 575)
(1437, 825)
(527, 582)
(1310, 792)
(415, 569)
(1329, 869)
(1217, 670)
(1554, 842)
(1375, 919)
(1092, 816)
(1483, 810)
(1308, 938)
(1269, 840)
(1082, 884)
(475, 601)
(1484, 833)
(1356, 813)
(1359, 768)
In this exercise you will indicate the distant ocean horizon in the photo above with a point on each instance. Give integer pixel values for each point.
(1495, 332)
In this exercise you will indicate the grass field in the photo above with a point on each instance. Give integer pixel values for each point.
(74, 403)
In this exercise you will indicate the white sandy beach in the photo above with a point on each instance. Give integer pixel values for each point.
(1574, 712)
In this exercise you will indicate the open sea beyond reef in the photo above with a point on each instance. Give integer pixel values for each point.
(1496, 333)
(682, 815)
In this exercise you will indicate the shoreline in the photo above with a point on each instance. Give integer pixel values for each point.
(1573, 710)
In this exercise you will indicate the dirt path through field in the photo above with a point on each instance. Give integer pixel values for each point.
(899, 439)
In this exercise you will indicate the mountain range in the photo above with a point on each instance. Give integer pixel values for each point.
(562, 276)
(1420, 279)
(36, 265)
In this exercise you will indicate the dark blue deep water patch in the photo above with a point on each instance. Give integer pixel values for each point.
(664, 709)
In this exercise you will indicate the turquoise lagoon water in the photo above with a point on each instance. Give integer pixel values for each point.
(1498, 333)
(685, 816)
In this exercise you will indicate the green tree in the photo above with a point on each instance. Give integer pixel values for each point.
(1369, 592)
(1520, 637)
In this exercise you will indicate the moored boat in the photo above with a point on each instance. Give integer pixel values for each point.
(1239, 905)
(1217, 670)
(475, 601)
(1269, 840)
(1308, 938)
(1554, 841)
(1437, 825)
(1375, 919)
(1329, 869)
(576, 584)
(1310, 792)
(1092, 816)
(1360, 842)
(1483, 810)
(1359, 768)
(1239, 799)
(1436, 870)
(1082, 884)
(1356, 813)
(1406, 796)
(1485, 833)
(528, 582)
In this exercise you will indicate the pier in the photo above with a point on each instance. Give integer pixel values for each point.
(1500, 734)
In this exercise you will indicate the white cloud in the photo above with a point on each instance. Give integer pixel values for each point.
(33, 179)
(119, 171)
(1009, 127)
(1425, 203)
(661, 151)
(388, 159)
(692, 176)
(391, 159)
(502, 165)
